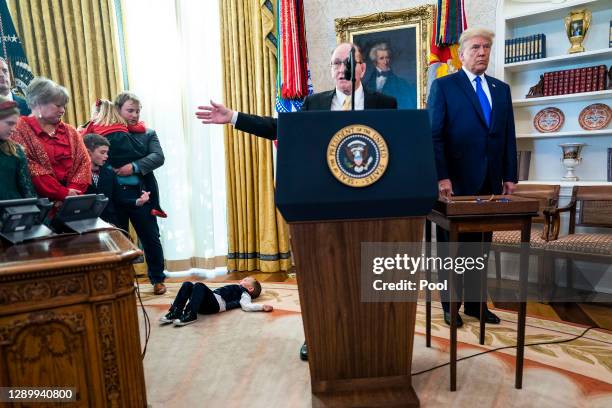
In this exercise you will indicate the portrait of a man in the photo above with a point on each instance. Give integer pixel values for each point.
(384, 80)
(393, 47)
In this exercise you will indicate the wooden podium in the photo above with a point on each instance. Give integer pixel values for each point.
(359, 350)
(360, 354)
(68, 319)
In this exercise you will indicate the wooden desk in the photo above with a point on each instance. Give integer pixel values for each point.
(463, 216)
(68, 319)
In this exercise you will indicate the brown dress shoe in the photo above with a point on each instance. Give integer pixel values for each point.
(159, 289)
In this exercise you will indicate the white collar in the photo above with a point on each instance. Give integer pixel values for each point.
(471, 76)
(341, 95)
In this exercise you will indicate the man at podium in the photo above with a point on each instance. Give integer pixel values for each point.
(474, 141)
(335, 100)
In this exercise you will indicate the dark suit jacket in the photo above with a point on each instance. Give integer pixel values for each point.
(155, 155)
(266, 126)
(109, 186)
(468, 152)
(21, 105)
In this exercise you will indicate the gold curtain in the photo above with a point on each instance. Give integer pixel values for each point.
(71, 42)
(257, 234)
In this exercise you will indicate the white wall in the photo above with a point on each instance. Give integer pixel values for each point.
(321, 34)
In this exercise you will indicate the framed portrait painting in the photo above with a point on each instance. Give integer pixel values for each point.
(394, 46)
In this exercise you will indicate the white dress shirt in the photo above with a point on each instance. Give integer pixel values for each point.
(339, 98)
(245, 303)
(380, 81)
(483, 82)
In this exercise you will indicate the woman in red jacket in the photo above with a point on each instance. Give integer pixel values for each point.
(57, 158)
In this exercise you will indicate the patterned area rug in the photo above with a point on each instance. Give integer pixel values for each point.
(239, 359)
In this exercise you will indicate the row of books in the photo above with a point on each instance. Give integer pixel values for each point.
(575, 80)
(525, 48)
(523, 160)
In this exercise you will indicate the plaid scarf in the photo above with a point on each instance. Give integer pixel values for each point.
(38, 160)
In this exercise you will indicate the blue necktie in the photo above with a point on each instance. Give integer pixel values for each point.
(484, 101)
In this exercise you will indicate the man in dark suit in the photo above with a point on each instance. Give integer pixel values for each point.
(474, 142)
(335, 100)
(385, 81)
(5, 89)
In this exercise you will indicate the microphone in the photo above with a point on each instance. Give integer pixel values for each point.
(349, 67)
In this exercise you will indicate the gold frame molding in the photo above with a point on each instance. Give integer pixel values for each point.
(420, 17)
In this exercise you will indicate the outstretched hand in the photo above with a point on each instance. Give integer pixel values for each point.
(214, 113)
(267, 308)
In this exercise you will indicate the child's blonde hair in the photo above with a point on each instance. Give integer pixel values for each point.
(107, 114)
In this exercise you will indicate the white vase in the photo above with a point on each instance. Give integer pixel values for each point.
(571, 159)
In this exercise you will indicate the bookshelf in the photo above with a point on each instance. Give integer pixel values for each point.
(589, 57)
(577, 133)
(518, 19)
(517, 10)
(577, 97)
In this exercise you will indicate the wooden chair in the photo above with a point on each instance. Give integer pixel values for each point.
(509, 241)
(590, 206)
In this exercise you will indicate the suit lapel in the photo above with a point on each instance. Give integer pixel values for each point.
(327, 100)
(369, 100)
(496, 100)
(465, 85)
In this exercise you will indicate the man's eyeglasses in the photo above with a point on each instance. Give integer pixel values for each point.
(337, 63)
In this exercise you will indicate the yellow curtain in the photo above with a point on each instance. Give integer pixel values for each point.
(71, 42)
(257, 234)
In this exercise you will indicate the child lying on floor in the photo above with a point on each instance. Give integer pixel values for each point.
(206, 301)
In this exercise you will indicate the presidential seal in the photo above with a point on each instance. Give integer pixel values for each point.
(357, 156)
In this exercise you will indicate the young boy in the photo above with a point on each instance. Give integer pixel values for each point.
(103, 179)
(206, 301)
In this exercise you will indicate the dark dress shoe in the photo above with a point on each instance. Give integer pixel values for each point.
(304, 352)
(447, 319)
(159, 289)
(490, 317)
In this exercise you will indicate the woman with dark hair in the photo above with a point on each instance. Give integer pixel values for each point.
(143, 218)
(57, 159)
(16, 181)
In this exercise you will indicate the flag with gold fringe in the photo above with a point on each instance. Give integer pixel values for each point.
(293, 76)
(448, 25)
(12, 51)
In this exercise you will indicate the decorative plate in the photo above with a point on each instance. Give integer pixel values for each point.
(549, 120)
(594, 117)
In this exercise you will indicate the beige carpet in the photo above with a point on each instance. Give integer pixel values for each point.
(239, 359)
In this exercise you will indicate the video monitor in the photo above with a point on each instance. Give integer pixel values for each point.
(22, 219)
(81, 214)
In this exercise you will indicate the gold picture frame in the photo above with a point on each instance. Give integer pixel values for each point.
(406, 34)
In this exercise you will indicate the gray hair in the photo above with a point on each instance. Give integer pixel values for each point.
(475, 32)
(354, 46)
(378, 47)
(42, 91)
